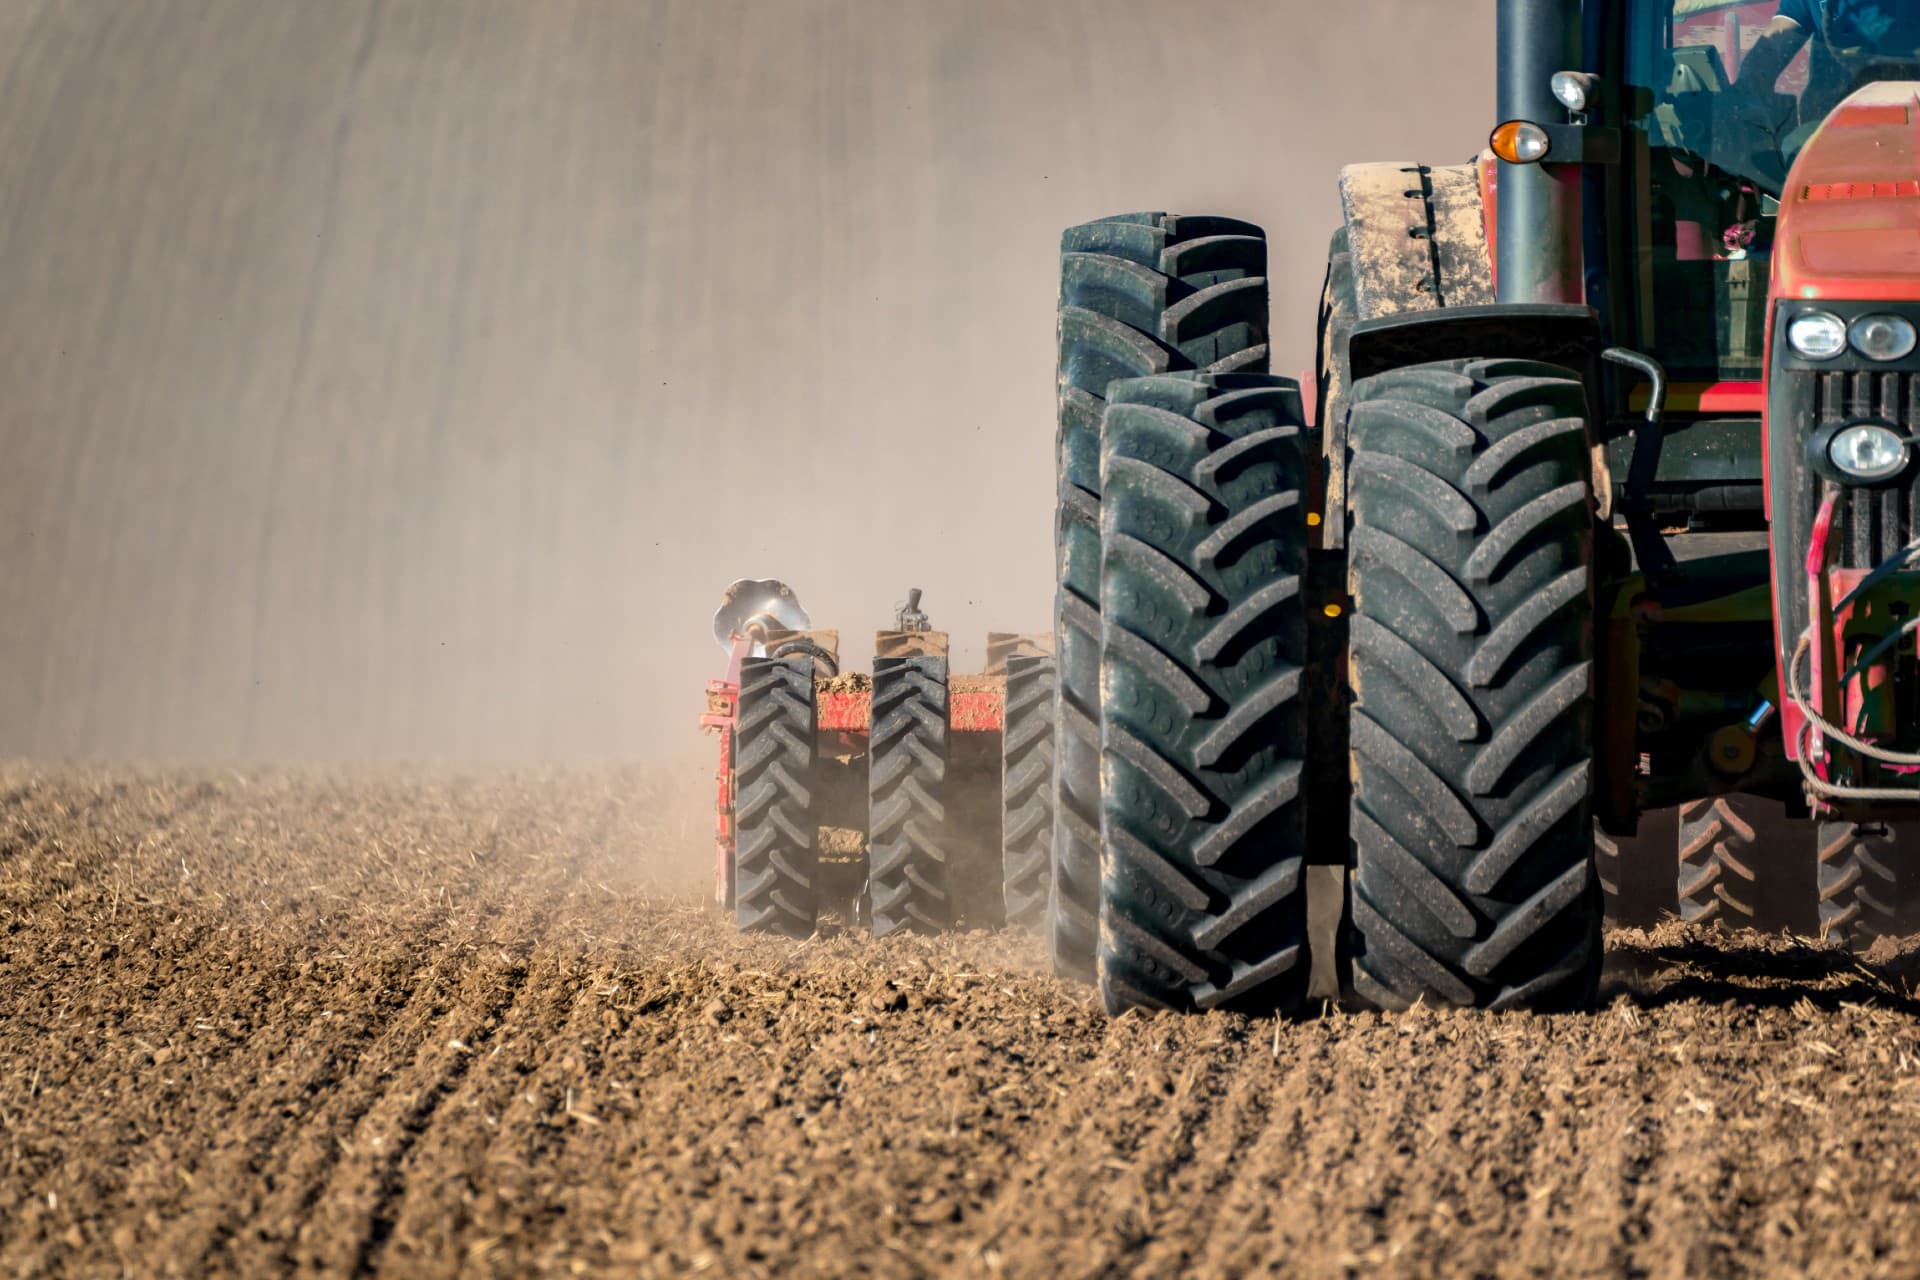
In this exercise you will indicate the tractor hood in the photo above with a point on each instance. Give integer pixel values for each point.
(1849, 225)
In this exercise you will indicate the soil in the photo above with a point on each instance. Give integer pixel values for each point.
(258, 1023)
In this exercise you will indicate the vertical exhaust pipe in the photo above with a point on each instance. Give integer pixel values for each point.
(1538, 204)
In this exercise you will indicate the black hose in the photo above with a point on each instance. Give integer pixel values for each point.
(820, 654)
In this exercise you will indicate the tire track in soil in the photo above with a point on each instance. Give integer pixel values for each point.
(445, 1165)
(226, 1187)
(1632, 1172)
(351, 1216)
(537, 1118)
(306, 1150)
(1126, 1152)
(357, 1216)
(178, 1176)
(287, 1066)
(1297, 1135)
(1217, 1163)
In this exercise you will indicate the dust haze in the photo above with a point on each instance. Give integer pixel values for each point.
(405, 380)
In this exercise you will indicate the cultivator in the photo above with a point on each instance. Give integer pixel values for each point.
(911, 799)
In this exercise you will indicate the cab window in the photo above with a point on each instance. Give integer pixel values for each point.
(1721, 96)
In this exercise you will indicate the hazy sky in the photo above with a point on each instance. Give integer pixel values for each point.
(406, 379)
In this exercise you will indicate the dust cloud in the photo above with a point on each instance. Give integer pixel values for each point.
(404, 380)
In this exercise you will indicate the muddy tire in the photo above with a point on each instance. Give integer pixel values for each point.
(1140, 294)
(906, 797)
(1203, 724)
(1470, 543)
(1026, 792)
(1867, 888)
(776, 863)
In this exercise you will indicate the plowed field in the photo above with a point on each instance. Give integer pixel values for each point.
(258, 1023)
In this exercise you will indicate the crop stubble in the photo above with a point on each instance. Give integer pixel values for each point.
(260, 1022)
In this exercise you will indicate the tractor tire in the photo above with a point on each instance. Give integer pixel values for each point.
(1140, 294)
(1867, 885)
(1719, 843)
(1026, 792)
(1742, 863)
(1203, 720)
(776, 863)
(1470, 544)
(906, 797)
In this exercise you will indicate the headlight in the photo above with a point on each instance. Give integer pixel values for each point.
(1882, 337)
(1868, 452)
(1817, 335)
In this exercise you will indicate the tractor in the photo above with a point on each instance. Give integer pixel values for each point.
(1600, 502)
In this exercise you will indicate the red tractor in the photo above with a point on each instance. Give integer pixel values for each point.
(1602, 502)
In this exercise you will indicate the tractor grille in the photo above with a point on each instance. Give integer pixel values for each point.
(1871, 524)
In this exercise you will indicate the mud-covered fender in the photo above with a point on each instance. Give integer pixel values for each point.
(1413, 239)
(1418, 237)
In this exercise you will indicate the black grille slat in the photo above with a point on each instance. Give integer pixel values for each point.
(1911, 402)
(1887, 403)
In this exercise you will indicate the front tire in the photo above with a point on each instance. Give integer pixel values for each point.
(1471, 546)
(1202, 719)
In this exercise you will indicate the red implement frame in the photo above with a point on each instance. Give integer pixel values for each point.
(721, 720)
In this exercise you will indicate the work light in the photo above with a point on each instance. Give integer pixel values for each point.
(1868, 452)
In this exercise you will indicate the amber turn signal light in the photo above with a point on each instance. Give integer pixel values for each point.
(1520, 142)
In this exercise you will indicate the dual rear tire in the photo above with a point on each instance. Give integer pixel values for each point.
(1140, 294)
(1203, 724)
(1183, 630)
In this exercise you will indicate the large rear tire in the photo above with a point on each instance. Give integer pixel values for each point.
(1026, 792)
(1140, 294)
(906, 797)
(1203, 726)
(775, 858)
(1471, 542)
(1868, 890)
